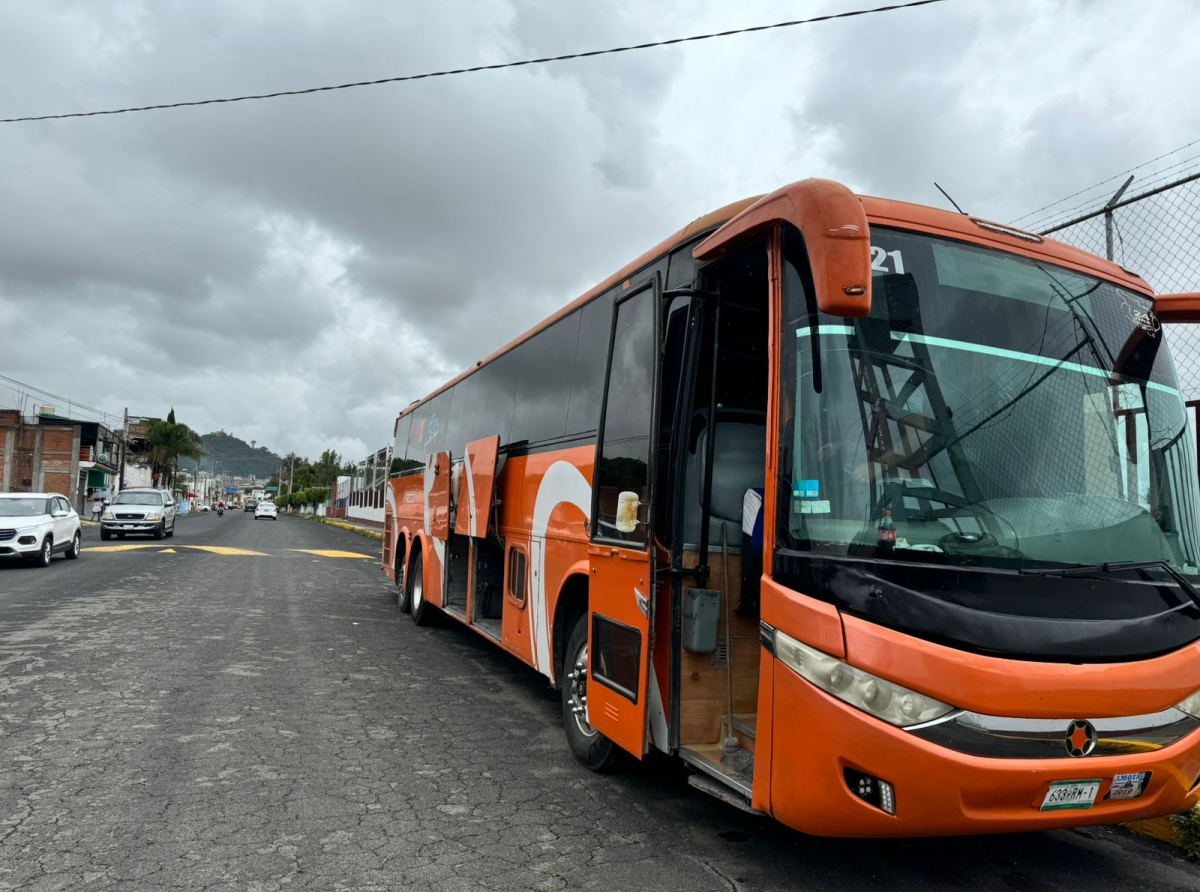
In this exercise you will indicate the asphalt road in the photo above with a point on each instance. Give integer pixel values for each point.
(209, 720)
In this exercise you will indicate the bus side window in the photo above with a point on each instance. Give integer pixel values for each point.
(587, 379)
(516, 575)
(543, 391)
(398, 451)
(462, 415)
(439, 417)
(497, 395)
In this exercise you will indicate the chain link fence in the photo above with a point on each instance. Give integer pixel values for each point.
(1156, 234)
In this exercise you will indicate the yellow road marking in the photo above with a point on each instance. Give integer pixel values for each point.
(168, 551)
(220, 549)
(321, 552)
(120, 547)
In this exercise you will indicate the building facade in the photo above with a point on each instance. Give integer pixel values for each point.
(36, 457)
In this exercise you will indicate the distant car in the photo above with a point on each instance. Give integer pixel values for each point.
(139, 511)
(266, 509)
(201, 507)
(36, 525)
(251, 504)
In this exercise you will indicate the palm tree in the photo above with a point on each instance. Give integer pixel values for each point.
(169, 441)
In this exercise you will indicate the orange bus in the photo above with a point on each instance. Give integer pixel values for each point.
(882, 518)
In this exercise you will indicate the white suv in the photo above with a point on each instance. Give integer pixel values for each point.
(35, 525)
(139, 511)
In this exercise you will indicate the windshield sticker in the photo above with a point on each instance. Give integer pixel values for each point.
(1146, 321)
(806, 489)
(880, 257)
(814, 507)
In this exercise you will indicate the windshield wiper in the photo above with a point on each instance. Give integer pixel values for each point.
(1184, 583)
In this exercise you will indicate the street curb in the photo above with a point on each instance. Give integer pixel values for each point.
(370, 534)
(1157, 828)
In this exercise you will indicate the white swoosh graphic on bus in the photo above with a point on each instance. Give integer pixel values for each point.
(561, 484)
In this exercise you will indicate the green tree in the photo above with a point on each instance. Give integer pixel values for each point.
(169, 441)
(325, 469)
(303, 478)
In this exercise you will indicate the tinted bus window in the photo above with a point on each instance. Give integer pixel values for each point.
(417, 433)
(587, 379)
(545, 387)
(439, 417)
(402, 429)
(624, 453)
(497, 393)
(462, 415)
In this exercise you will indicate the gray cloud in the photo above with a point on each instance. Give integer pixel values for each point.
(298, 270)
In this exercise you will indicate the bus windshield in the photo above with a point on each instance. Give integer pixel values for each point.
(992, 410)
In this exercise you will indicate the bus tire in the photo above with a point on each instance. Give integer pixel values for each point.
(588, 745)
(419, 609)
(404, 596)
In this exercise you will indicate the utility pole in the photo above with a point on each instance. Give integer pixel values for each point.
(124, 449)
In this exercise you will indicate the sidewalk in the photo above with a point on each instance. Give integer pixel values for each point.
(363, 529)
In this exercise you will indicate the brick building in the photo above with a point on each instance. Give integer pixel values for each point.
(37, 457)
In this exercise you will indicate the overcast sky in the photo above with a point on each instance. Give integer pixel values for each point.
(296, 271)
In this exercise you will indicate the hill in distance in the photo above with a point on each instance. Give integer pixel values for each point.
(234, 457)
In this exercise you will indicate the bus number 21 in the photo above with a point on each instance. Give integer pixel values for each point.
(879, 259)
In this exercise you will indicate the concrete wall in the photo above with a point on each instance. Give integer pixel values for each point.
(138, 476)
(369, 515)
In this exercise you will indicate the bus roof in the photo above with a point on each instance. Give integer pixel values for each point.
(883, 211)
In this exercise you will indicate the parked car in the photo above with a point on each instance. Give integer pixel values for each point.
(251, 504)
(266, 509)
(37, 525)
(139, 511)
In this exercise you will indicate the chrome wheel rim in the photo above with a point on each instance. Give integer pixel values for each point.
(577, 693)
(417, 590)
(75, 545)
(46, 552)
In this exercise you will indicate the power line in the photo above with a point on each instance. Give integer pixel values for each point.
(477, 68)
(74, 404)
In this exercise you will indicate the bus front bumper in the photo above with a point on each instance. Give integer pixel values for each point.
(820, 746)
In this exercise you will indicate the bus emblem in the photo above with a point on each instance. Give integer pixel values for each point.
(1080, 738)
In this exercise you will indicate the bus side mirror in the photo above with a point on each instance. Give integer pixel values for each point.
(627, 512)
(1171, 308)
(836, 235)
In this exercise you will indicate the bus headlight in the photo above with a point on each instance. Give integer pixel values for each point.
(1191, 705)
(881, 698)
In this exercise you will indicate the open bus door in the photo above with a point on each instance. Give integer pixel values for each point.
(621, 590)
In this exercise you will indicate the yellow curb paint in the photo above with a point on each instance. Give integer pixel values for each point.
(321, 552)
(219, 549)
(120, 547)
(1158, 828)
(354, 529)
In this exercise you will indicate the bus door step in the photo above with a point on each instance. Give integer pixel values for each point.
(716, 779)
(721, 791)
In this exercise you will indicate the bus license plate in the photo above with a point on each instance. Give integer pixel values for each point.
(1071, 794)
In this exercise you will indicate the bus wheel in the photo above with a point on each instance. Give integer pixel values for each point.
(422, 613)
(404, 596)
(590, 747)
